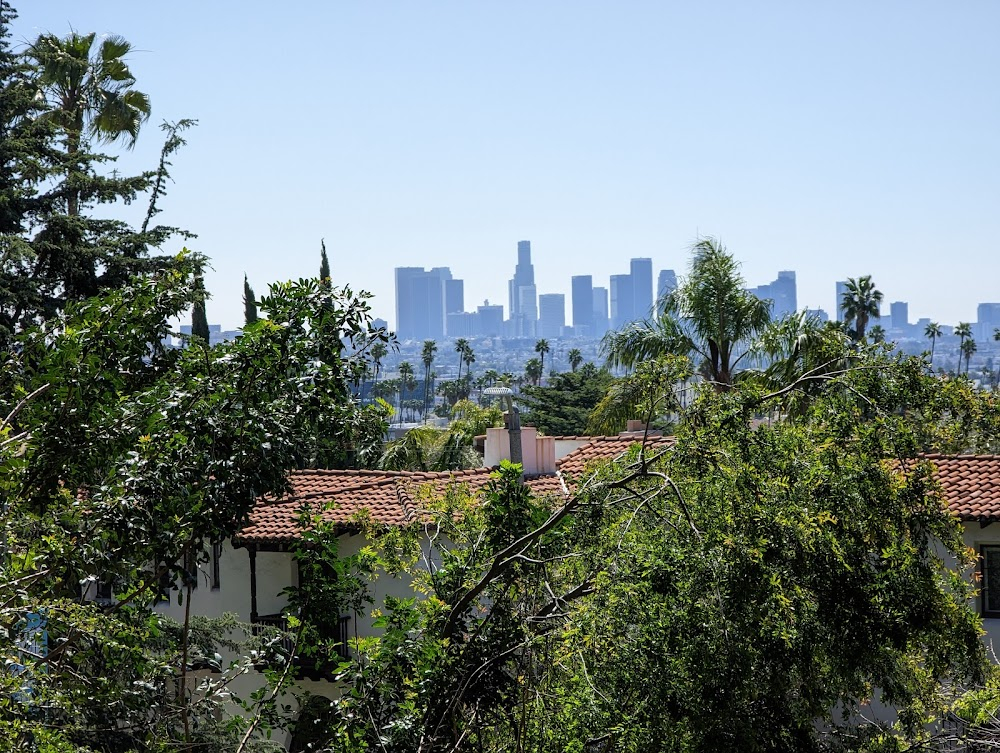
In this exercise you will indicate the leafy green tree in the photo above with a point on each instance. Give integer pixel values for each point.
(120, 461)
(249, 303)
(860, 303)
(541, 348)
(932, 332)
(877, 333)
(728, 592)
(709, 314)
(427, 357)
(575, 358)
(563, 406)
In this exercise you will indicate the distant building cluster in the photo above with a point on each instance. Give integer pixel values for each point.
(430, 303)
(216, 335)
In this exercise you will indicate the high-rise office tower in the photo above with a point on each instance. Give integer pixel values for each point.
(420, 302)
(524, 277)
(781, 293)
(583, 305)
(622, 308)
(551, 314)
(601, 320)
(641, 272)
(527, 320)
(665, 283)
(454, 296)
(899, 311)
(490, 320)
(987, 319)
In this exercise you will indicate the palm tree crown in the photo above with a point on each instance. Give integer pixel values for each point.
(709, 313)
(861, 303)
(932, 331)
(90, 90)
(542, 347)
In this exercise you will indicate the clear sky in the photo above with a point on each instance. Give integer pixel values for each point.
(836, 139)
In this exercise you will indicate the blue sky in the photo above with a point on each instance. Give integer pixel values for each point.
(836, 139)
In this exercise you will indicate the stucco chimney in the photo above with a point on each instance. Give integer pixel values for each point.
(538, 454)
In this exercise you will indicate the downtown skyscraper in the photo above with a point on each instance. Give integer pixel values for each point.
(522, 294)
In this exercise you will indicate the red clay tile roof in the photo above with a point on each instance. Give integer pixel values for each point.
(390, 496)
(574, 464)
(970, 485)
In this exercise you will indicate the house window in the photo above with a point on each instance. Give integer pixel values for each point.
(990, 582)
(216, 557)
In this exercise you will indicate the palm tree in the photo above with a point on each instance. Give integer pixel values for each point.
(996, 337)
(427, 356)
(967, 348)
(964, 332)
(542, 347)
(461, 345)
(575, 358)
(89, 91)
(469, 357)
(710, 313)
(877, 333)
(406, 382)
(933, 332)
(379, 351)
(860, 303)
(533, 371)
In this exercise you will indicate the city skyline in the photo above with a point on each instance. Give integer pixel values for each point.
(628, 297)
(842, 140)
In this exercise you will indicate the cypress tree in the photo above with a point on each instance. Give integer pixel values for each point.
(324, 264)
(199, 318)
(249, 303)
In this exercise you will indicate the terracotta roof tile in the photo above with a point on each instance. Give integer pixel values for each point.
(389, 496)
(573, 465)
(970, 485)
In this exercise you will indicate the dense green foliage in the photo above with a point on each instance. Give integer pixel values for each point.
(120, 460)
(564, 404)
(728, 592)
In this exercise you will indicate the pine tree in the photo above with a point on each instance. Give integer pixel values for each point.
(29, 155)
(249, 303)
(54, 250)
